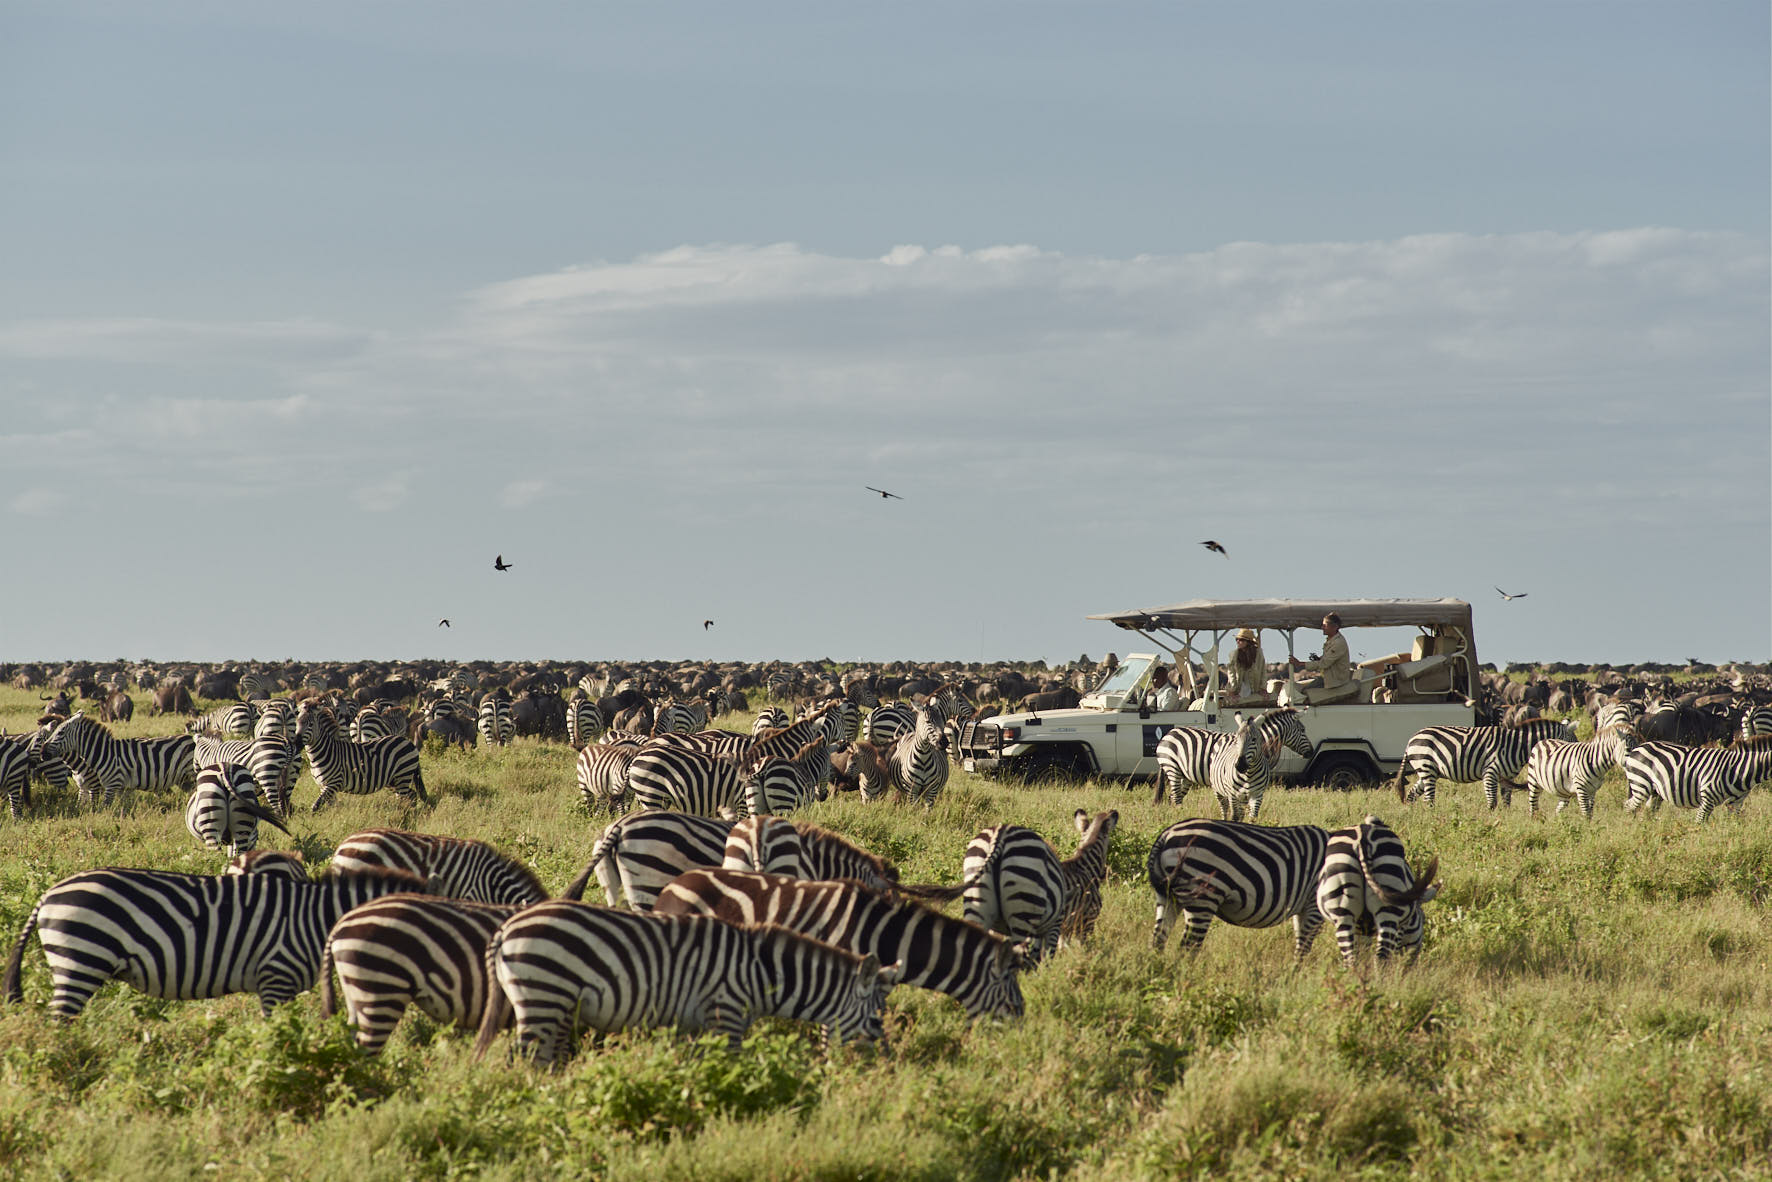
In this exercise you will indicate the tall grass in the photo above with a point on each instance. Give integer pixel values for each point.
(1593, 1000)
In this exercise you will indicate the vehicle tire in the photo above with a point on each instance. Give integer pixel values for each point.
(1344, 771)
(1048, 769)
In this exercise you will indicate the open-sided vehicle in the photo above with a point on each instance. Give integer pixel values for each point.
(1358, 731)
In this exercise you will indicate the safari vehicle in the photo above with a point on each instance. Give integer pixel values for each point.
(1357, 731)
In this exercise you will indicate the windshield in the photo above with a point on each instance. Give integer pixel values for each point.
(1125, 677)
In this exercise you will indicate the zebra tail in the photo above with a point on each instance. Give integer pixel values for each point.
(328, 995)
(933, 892)
(1162, 783)
(498, 1004)
(605, 847)
(1402, 774)
(10, 987)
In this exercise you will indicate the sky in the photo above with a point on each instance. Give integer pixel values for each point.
(309, 311)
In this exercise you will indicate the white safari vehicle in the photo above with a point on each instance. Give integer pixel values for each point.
(1357, 730)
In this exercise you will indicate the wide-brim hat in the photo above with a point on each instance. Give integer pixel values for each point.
(1246, 634)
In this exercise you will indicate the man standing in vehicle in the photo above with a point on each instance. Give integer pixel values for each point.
(1333, 668)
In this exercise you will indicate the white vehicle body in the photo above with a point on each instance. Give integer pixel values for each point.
(1358, 732)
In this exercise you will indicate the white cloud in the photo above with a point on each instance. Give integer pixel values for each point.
(519, 493)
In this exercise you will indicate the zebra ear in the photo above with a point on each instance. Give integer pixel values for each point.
(1081, 819)
(868, 971)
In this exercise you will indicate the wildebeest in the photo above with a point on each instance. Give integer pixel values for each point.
(172, 698)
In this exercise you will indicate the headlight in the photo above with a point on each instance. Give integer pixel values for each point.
(1011, 733)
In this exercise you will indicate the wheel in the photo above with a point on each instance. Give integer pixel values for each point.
(1047, 769)
(1344, 771)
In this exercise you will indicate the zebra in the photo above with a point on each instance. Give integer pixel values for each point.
(978, 968)
(770, 718)
(771, 845)
(862, 767)
(1492, 754)
(1574, 770)
(1013, 885)
(232, 721)
(494, 720)
(1624, 712)
(372, 722)
(887, 722)
(409, 950)
(339, 765)
(602, 771)
(584, 722)
(779, 685)
(15, 772)
(1085, 872)
(782, 786)
(559, 964)
(1239, 772)
(454, 867)
(224, 809)
(276, 719)
(638, 854)
(668, 776)
(103, 760)
(1366, 886)
(1184, 756)
(1756, 720)
(681, 718)
(842, 721)
(256, 685)
(187, 936)
(288, 863)
(1250, 876)
(918, 762)
(1695, 777)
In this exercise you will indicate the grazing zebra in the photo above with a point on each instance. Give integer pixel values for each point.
(783, 786)
(603, 776)
(1013, 885)
(15, 772)
(409, 950)
(1250, 876)
(584, 722)
(1085, 872)
(918, 763)
(976, 967)
(339, 765)
(232, 721)
(770, 718)
(1366, 887)
(288, 863)
(224, 809)
(494, 720)
(638, 854)
(561, 966)
(1464, 754)
(1695, 777)
(861, 767)
(454, 867)
(779, 685)
(52, 769)
(771, 845)
(186, 936)
(1573, 770)
(255, 685)
(679, 718)
(105, 761)
(668, 776)
(1756, 720)
(887, 722)
(1184, 756)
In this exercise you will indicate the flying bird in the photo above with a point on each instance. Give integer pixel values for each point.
(1505, 595)
(499, 563)
(883, 493)
(706, 624)
(1216, 548)
(443, 623)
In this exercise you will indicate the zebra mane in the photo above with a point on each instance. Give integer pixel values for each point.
(1757, 743)
(816, 833)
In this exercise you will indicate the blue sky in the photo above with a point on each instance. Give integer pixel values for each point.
(308, 311)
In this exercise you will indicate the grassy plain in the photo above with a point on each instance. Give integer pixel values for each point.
(1593, 1001)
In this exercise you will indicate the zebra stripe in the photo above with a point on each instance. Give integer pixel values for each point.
(668, 776)
(887, 722)
(1367, 888)
(409, 950)
(372, 722)
(1465, 754)
(935, 951)
(918, 763)
(224, 809)
(1573, 770)
(276, 720)
(842, 721)
(679, 718)
(638, 854)
(602, 771)
(103, 760)
(770, 845)
(781, 786)
(339, 765)
(1756, 720)
(1085, 873)
(1013, 885)
(560, 964)
(185, 936)
(15, 772)
(1185, 754)
(454, 866)
(285, 862)
(232, 721)
(1249, 876)
(494, 720)
(1695, 777)
(584, 722)
(770, 718)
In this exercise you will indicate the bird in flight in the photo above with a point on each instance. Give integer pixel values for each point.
(1216, 548)
(443, 623)
(706, 624)
(883, 493)
(499, 563)
(1505, 595)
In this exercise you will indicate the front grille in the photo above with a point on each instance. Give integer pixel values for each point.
(981, 740)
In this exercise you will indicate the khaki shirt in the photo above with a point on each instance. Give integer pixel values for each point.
(1333, 666)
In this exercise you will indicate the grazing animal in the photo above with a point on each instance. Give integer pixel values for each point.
(232, 721)
(224, 809)
(860, 767)
(975, 967)
(339, 765)
(104, 761)
(186, 936)
(770, 845)
(770, 718)
(15, 772)
(639, 854)
(454, 867)
(560, 965)
(1573, 770)
(1366, 887)
(408, 950)
(1695, 777)
(1464, 754)
(288, 863)
(669, 776)
(1756, 720)
(781, 786)
(1249, 876)
(1015, 883)
(584, 722)
(602, 770)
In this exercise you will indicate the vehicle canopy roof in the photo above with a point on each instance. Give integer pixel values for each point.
(1287, 614)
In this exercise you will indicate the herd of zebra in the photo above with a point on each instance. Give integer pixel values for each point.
(721, 908)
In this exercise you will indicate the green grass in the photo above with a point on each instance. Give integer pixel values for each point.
(1593, 1001)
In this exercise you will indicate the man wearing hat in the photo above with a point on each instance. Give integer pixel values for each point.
(1247, 672)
